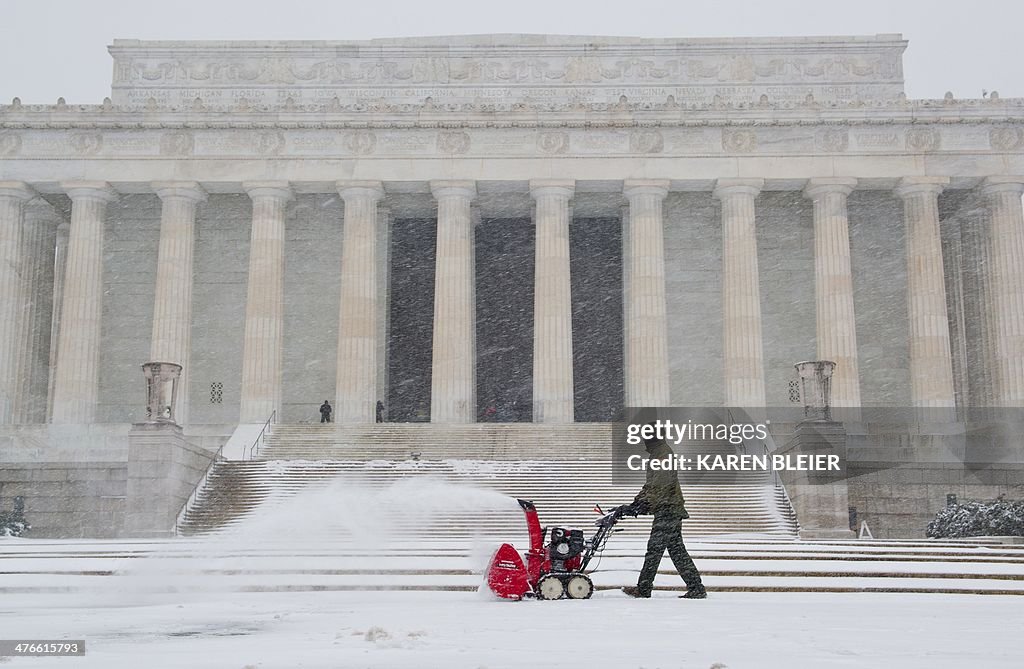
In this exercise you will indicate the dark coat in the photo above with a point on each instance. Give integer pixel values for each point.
(325, 409)
(661, 494)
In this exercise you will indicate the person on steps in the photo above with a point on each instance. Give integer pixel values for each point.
(662, 496)
(325, 412)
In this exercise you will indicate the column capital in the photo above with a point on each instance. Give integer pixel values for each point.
(1002, 184)
(190, 190)
(909, 186)
(543, 187)
(18, 190)
(89, 190)
(276, 189)
(728, 187)
(371, 189)
(818, 186)
(453, 188)
(631, 187)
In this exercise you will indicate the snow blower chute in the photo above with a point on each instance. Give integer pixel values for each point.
(553, 570)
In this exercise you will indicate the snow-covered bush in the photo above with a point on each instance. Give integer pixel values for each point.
(13, 523)
(979, 519)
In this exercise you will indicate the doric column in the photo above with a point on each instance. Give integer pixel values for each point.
(359, 310)
(833, 286)
(60, 263)
(39, 233)
(13, 196)
(741, 294)
(646, 325)
(931, 364)
(383, 300)
(262, 353)
(453, 380)
(1006, 285)
(76, 382)
(172, 304)
(552, 303)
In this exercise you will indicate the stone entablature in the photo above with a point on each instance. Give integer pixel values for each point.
(510, 96)
(286, 141)
(507, 69)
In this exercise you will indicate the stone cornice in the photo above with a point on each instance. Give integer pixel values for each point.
(918, 111)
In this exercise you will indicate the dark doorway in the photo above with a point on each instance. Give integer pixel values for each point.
(410, 341)
(595, 252)
(504, 320)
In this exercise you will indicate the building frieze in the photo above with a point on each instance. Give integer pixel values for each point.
(727, 138)
(516, 69)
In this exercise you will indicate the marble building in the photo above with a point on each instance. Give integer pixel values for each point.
(546, 226)
(229, 208)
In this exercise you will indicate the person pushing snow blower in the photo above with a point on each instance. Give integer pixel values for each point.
(662, 496)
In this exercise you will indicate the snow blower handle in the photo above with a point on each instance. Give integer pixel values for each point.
(615, 514)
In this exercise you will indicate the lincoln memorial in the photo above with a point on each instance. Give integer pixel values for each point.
(506, 229)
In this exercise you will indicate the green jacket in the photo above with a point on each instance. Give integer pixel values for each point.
(661, 494)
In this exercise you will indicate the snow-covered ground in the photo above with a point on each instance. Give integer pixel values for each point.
(452, 630)
(293, 585)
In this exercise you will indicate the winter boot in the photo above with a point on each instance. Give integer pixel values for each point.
(696, 592)
(634, 591)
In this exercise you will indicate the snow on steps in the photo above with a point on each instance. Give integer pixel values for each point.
(194, 567)
(564, 469)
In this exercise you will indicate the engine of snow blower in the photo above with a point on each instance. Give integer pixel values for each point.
(552, 570)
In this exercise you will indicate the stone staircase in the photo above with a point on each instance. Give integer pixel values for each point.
(292, 521)
(565, 470)
(114, 572)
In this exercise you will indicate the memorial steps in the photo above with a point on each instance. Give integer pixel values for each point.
(252, 531)
(184, 569)
(565, 470)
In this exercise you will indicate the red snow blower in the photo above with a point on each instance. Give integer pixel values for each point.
(554, 570)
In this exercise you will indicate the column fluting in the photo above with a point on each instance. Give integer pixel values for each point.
(76, 380)
(39, 233)
(833, 286)
(383, 302)
(172, 303)
(60, 263)
(646, 325)
(13, 196)
(743, 348)
(1006, 284)
(263, 348)
(552, 303)
(931, 363)
(359, 313)
(453, 369)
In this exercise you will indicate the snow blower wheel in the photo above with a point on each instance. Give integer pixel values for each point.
(550, 587)
(579, 587)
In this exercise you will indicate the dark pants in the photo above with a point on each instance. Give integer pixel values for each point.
(666, 534)
(325, 418)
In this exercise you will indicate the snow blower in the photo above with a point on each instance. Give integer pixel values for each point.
(554, 570)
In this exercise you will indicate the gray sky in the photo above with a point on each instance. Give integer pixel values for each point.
(53, 48)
